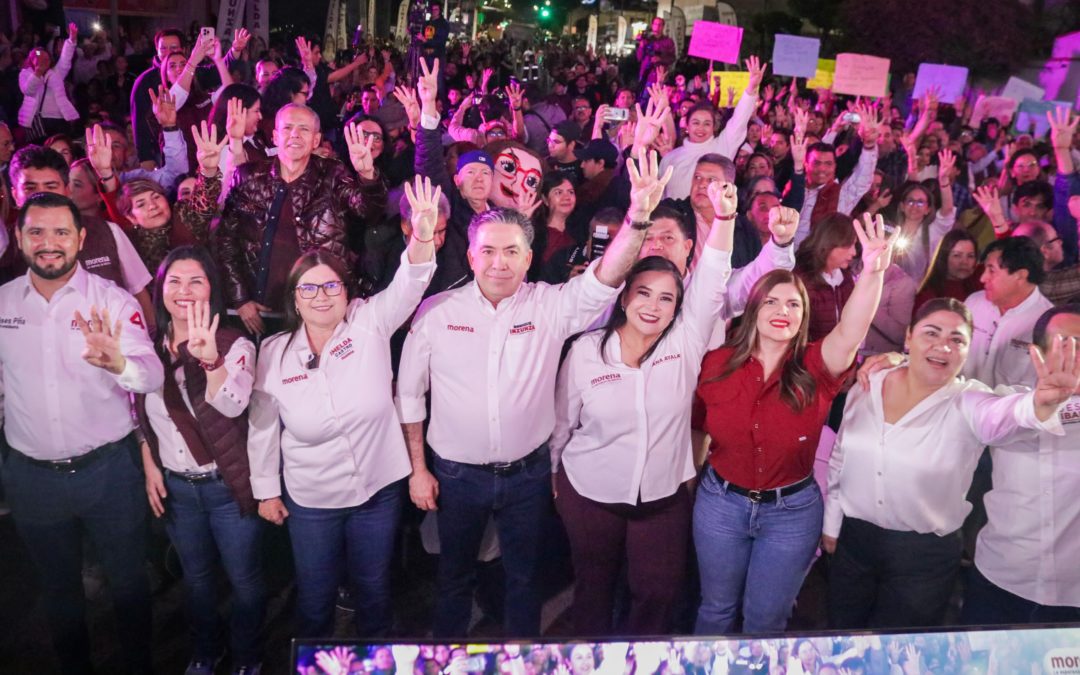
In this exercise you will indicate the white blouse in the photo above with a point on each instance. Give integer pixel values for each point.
(334, 427)
(914, 475)
(623, 432)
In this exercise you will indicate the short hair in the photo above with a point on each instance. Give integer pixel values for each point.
(607, 216)
(1034, 188)
(50, 200)
(821, 147)
(505, 216)
(1037, 230)
(115, 128)
(298, 106)
(169, 32)
(1038, 333)
(671, 213)
(133, 188)
(405, 208)
(38, 157)
(1019, 253)
(724, 163)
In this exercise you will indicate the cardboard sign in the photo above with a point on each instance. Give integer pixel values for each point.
(716, 41)
(720, 80)
(1031, 116)
(950, 81)
(1018, 90)
(795, 56)
(861, 75)
(823, 77)
(997, 107)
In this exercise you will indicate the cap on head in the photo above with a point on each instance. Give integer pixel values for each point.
(475, 157)
(600, 149)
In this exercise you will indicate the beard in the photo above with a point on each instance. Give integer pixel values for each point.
(51, 273)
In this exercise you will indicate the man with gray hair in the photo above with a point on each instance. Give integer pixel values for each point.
(489, 353)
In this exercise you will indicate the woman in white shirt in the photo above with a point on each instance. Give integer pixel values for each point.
(921, 224)
(42, 86)
(323, 418)
(903, 463)
(622, 434)
(195, 456)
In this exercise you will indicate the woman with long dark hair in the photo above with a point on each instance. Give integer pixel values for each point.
(622, 433)
(766, 394)
(323, 418)
(823, 264)
(955, 270)
(195, 455)
(921, 220)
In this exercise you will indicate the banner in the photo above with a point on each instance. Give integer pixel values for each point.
(330, 45)
(258, 20)
(402, 32)
(795, 56)
(675, 28)
(230, 17)
(861, 75)
(823, 76)
(621, 41)
(716, 41)
(594, 26)
(1031, 116)
(998, 107)
(950, 81)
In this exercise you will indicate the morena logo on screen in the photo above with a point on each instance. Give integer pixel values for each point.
(1063, 661)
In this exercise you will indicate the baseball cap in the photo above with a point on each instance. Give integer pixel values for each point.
(475, 157)
(598, 148)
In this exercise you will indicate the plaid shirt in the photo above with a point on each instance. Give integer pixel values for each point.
(1062, 285)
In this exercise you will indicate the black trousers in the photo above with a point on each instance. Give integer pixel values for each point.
(882, 578)
(987, 604)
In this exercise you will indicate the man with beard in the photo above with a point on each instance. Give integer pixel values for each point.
(74, 346)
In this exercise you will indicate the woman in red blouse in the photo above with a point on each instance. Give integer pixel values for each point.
(766, 394)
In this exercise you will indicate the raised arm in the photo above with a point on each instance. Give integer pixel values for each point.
(428, 160)
(840, 346)
(735, 130)
(859, 182)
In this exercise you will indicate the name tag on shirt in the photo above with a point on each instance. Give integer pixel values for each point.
(15, 322)
(343, 350)
(1070, 412)
(523, 328)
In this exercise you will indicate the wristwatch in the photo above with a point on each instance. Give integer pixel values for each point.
(638, 224)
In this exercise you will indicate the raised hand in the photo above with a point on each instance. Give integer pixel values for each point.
(876, 244)
(203, 46)
(869, 125)
(236, 121)
(336, 661)
(1062, 127)
(99, 150)
(1058, 375)
(102, 341)
(988, 199)
(207, 148)
(303, 48)
(73, 32)
(664, 142)
(798, 149)
(486, 78)
(731, 97)
(360, 151)
(657, 91)
(215, 52)
(202, 329)
(767, 93)
(783, 222)
(514, 92)
(424, 202)
(646, 184)
(241, 36)
(724, 198)
(407, 98)
(164, 106)
(650, 122)
(427, 85)
(404, 654)
(527, 202)
(946, 163)
(757, 74)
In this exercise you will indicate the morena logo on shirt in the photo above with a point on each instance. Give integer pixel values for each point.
(455, 328)
(523, 328)
(294, 378)
(604, 379)
(665, 359)
(13, 322)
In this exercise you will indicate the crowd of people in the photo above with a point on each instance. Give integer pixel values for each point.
(254, 287)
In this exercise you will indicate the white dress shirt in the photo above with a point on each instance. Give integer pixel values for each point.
(1031, 544)
(334, 427)
(624, 432)
(913, 476)
(230, 400)
(491, 370)
(56, 405)
(851, 191)
(771, 257)
(684, 158)
(999, 342)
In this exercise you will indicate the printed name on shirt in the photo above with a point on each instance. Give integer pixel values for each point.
(1019, 344)
(12, 322)
(665, 359)
(459, 329)
(604, 379)
(94, 263)
(1070, 412)
(294, 378)
(343, 350)
(522, 328)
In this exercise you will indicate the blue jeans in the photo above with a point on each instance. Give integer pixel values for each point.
(752, 557)
(205, 524)
(107, 500)
(520, 503)
(355, 542)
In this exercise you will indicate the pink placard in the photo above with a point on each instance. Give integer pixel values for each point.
(716, 41)
(861, 75)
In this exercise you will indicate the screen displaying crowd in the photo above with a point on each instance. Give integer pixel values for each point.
(713, 335)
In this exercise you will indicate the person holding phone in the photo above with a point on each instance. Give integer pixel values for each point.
(46, 109)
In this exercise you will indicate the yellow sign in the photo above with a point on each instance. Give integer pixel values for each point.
(721, 80)
(823, 79)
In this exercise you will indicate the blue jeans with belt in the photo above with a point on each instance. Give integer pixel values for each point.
(355, 542)
(520, 503)
(752, 556)
(106, 499)
(205, 525)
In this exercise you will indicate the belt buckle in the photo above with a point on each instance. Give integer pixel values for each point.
(64, 465)
(754, 496)
(502, 468)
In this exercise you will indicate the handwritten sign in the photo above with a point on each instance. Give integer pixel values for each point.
(861, 75)
(1018, 90)
(993, 107)
(949, 80)
(823, 76)
(721, 80)
(795, 56)
(716, 41)
(1031, 116)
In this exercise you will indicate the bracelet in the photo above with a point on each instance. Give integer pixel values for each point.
(211, 367)
(731, 217)
(105, 178)
(638, 224)
(517, 109)
(423, 241)
(172, 128)
(784, 245)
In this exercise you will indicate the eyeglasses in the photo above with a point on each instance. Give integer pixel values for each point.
(310, 291)
(582, 107)
(1052, 241)
(373, 134)
(915, 202)
(496, 133)
(1026, 165)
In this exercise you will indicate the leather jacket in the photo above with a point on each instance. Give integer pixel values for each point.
(320, 198)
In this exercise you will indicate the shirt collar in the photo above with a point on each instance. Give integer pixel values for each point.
(1024, 306)
(78, 283)
(486, 304)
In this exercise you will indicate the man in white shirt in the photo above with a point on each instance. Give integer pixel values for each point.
(73, 466)
(489, 353)
(1025, 560)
